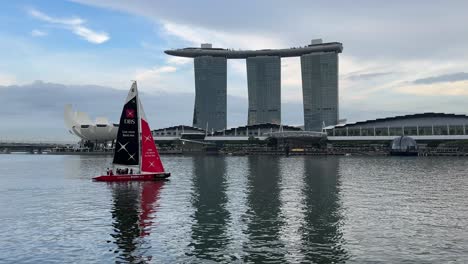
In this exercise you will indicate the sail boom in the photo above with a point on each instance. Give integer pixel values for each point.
(126, 165)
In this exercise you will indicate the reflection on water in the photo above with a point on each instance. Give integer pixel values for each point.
(249, 209)
(322, 238)
(264, 219)
(318, 204)
(209, 238)
(132, 214)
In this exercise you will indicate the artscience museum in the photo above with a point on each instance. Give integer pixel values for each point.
(98, 131)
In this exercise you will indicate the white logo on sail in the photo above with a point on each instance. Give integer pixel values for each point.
(131, 156)
(124, 147)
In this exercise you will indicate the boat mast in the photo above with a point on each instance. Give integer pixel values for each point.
(139, 126)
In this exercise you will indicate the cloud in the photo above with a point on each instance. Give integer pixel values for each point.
(67, 21)
(367, 76)
(7, 79)
(197, 35)
(373, 59)
(38, 33)
(359, 26)
(90, 35)
(453, 77)
(291, 80)
(169, 78)
(459, 88)
(178, 60)
(154, 73)
(369, 52)
(75, 25)
(36, 110)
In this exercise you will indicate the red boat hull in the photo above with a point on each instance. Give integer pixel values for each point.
(132, 177)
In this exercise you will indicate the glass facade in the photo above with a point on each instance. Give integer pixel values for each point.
(210, 93)
(320, 90)
(264, 85)
(432, 130)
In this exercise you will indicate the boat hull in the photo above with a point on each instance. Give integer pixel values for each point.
(132, 177)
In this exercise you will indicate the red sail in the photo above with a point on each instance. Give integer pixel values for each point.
(150, 161)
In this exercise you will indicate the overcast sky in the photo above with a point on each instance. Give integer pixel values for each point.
(399, 56)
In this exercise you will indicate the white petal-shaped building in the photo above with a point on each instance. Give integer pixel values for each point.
(79, 124)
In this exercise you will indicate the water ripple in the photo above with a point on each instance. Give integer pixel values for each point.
(252, 209)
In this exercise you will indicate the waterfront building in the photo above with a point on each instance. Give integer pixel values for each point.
(320, 90)
(319, 64)
(79, 124)
(424, 126)
(182, 131)
(210, 93)
(256, 130)
(177, 131)
(264, 88)
(257, 134)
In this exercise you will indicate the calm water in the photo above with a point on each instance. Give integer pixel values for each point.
(236, 209)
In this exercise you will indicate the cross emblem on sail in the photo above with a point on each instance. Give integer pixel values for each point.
(122, 146)
(130, 113)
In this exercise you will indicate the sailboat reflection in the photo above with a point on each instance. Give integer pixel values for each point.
(133, 214)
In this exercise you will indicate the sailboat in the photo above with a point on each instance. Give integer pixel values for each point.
(135, 147)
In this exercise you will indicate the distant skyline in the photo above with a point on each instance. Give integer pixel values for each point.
(398, 56)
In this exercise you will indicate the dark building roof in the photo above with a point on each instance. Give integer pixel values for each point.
(403, 117)
(179, 127)
(192, 52)
(257, 126)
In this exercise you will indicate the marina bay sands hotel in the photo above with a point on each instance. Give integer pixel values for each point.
(319, 69)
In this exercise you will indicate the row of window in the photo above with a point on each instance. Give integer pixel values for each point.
(239, 133)
(398, 131)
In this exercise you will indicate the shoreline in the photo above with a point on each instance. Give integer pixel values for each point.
(254, 153)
